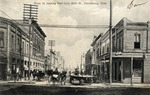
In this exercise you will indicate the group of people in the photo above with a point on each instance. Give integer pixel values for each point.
(56, 76)
(17, 75)
(77, 72)
(37, 75)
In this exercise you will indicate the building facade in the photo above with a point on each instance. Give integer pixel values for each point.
(130, 52)
(88, 62)
(21, 47)
(54, 60)
(96, 44)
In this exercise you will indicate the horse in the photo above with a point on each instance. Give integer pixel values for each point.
(55, 78)
(49, 73)
(63, 77)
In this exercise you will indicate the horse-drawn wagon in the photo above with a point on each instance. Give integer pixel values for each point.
(81, 79)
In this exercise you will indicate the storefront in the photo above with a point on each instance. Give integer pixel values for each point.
(126, 67)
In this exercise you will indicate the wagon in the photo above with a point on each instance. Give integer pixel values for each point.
(81, 79)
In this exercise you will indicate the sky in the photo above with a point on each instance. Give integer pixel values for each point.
(74, 42)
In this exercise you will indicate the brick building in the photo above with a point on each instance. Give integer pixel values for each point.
(131, 52)
(20, 44)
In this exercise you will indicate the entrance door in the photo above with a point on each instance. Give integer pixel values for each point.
(137, 71)
(3, 71)
(117, 71)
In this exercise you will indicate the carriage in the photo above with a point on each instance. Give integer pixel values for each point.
(81, 79)
(56, 77)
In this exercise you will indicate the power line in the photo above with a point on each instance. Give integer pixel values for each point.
(59, 26)
(5, 14)
(73, 26)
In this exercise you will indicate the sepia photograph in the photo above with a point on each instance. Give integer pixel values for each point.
(74, 47)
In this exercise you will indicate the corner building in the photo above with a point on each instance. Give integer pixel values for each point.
(130, 52)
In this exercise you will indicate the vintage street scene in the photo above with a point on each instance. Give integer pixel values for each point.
(67, 47)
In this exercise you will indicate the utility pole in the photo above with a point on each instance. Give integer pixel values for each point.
(8, 49)
(63, 64)
(131, 83)
(20, 49)
(81, 64)
(30, 13)
(110, 44)
(29, 64)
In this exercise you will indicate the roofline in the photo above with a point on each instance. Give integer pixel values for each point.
(11, 22)
(15, 24)
(39, 28)
(100, 35)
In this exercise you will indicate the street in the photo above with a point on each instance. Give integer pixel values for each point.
(43, 88)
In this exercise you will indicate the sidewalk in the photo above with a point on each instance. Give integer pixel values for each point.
(22, 81)
(120, 85)
(93, 85)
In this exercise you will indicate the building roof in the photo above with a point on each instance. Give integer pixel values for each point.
(39, 28)
(100, 35)
(24, 27)
(10, 22)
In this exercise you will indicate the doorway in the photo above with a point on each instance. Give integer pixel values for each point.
(117, 72)
(3, 70)
(137, 70)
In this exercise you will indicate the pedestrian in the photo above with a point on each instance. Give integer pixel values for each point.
(69, 73)
(82, 72)
(34, 74)
(19, 75)
(76, 71)
(50, 73)
(38, 75)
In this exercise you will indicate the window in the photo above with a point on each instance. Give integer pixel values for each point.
(18, 45)
(114, 44)
(97, 55)
(120, 41)
(23, 47)
(117, 39)
(27, 49)
(107, 48)
(1, 39)
(102, 50)
(137, 41)
(12, 42)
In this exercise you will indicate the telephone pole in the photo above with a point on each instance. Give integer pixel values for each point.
(110, 44)
(30, 13)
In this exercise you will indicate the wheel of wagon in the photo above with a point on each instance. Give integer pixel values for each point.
(81, 81)
(71, 80)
